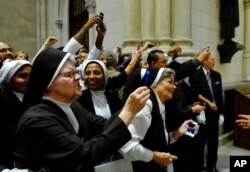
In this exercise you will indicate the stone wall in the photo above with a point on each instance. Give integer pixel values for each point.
(18, 25)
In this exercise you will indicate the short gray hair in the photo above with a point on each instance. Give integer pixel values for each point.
(167, 72)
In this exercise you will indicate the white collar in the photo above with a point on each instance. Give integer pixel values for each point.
(205, 71)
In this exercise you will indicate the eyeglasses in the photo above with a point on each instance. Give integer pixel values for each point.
(172, 82)
(70, 74)
(3, 50)
(23, 75)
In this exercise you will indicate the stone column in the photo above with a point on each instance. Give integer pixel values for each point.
(65, 21)
(181, 25)
(247, 28)
(91, 6)
(162, 24)
(132, 25)
(148, 21)
(41, 22)
(246, 55)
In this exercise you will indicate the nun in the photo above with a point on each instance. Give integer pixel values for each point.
(96, 98)
(55, 133)
(13, 79)
(148, 149)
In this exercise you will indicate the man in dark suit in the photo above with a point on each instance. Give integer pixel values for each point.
(208, 83)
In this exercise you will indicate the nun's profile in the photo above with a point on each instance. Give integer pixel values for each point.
(55, 133)
(13, 79)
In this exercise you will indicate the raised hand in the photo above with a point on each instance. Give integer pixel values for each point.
(135, 102)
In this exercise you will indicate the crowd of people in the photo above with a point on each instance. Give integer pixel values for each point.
(71, 109)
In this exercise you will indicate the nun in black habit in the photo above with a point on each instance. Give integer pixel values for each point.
(56, 133)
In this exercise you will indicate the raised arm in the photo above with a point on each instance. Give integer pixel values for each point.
(76, 42)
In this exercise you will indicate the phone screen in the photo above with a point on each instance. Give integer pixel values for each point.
(191, 128)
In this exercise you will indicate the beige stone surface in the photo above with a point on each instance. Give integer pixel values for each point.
(18, 25)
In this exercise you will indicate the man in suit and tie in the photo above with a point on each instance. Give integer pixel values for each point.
(208, 83)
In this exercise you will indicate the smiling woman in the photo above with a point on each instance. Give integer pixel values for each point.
(96, 98)
(148, 148)
(55, 133)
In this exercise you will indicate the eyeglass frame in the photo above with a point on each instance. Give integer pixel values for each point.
(172, 82)
(70, 74)
(3, 50)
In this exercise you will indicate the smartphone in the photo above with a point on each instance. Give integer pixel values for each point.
(101, 17)
(191, 129)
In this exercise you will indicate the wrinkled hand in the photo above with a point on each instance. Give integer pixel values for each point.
(145, 47)
(175, 51)
(163, 158)
(203, 55)
(92, 21)
(50, 41)
(243, 121)
(137, 100)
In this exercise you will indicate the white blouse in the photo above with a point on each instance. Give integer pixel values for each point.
(138, 128)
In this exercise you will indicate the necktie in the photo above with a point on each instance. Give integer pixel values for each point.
(210, 84)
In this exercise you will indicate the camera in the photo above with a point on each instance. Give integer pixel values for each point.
(150, 45)
(191, 129)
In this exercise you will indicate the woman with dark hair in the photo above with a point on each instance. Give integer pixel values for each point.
(55, 133)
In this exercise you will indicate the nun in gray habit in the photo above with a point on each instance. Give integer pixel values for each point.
(55, 133)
